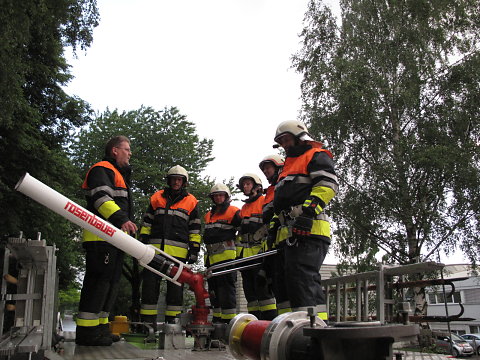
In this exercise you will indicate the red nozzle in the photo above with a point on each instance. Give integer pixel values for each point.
(196, 283)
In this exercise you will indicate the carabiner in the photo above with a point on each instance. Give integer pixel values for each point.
(291, 242)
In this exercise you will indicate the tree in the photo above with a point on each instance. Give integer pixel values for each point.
(159, 140)
(394, 88)
(69, 299)
(37, 114)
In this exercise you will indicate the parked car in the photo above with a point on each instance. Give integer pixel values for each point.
(460, 346)
(474, 341)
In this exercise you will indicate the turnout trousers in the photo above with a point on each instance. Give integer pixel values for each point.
(223, 299)
(279, 286)
(104, 264)
(150, 294)
(260, 299)
(298, 277)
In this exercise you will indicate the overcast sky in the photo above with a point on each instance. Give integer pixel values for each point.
(225, 64)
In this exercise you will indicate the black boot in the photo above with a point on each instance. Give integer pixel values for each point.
(269, 314)
(91, 336)
(105, 331)
(256, 313)
(170, 319)
(216, 320)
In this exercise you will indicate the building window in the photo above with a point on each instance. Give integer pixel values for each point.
(438, 298)
(471, 296)
(474, 329)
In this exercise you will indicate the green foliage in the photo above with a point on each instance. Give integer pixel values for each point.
(69, 298)
(33, 67)
(37, 115)
(394, 88)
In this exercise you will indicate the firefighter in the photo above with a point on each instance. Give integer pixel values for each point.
(107, 191)
(305, 186)
(172, 224)
(221, 226)
(271, 167)
(260, 299)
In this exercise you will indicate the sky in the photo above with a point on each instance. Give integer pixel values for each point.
(225, 64)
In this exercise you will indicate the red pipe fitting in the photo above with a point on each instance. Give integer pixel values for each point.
(196, 283)
(251, 340)
(200, 315)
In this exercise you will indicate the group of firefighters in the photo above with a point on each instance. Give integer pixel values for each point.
(288, 216)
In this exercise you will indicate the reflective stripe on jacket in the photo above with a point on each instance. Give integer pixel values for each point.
(249, 240)
(172, 227)
(219, 234)
(107, 195)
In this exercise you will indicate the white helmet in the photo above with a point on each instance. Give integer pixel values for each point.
(294, 127)
(220, 188)
(276, 160)
(178, 170)
(254, 177)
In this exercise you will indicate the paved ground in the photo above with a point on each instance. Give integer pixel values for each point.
(417, 356)
(125, 351)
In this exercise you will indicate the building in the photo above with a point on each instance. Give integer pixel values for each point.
(467, 293)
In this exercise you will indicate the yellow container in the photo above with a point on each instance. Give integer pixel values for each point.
(119, 325)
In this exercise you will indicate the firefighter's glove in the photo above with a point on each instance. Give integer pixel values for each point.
(192, 255)
(271, 238)
(272, 232)
(302, 226)
(313, 205)
(192, 258)
(274, 224)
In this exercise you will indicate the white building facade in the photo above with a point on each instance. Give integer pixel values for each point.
(467, 292)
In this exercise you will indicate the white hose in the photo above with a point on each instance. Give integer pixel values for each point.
(80, 216)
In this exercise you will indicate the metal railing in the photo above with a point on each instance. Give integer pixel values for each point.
(368, 282)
